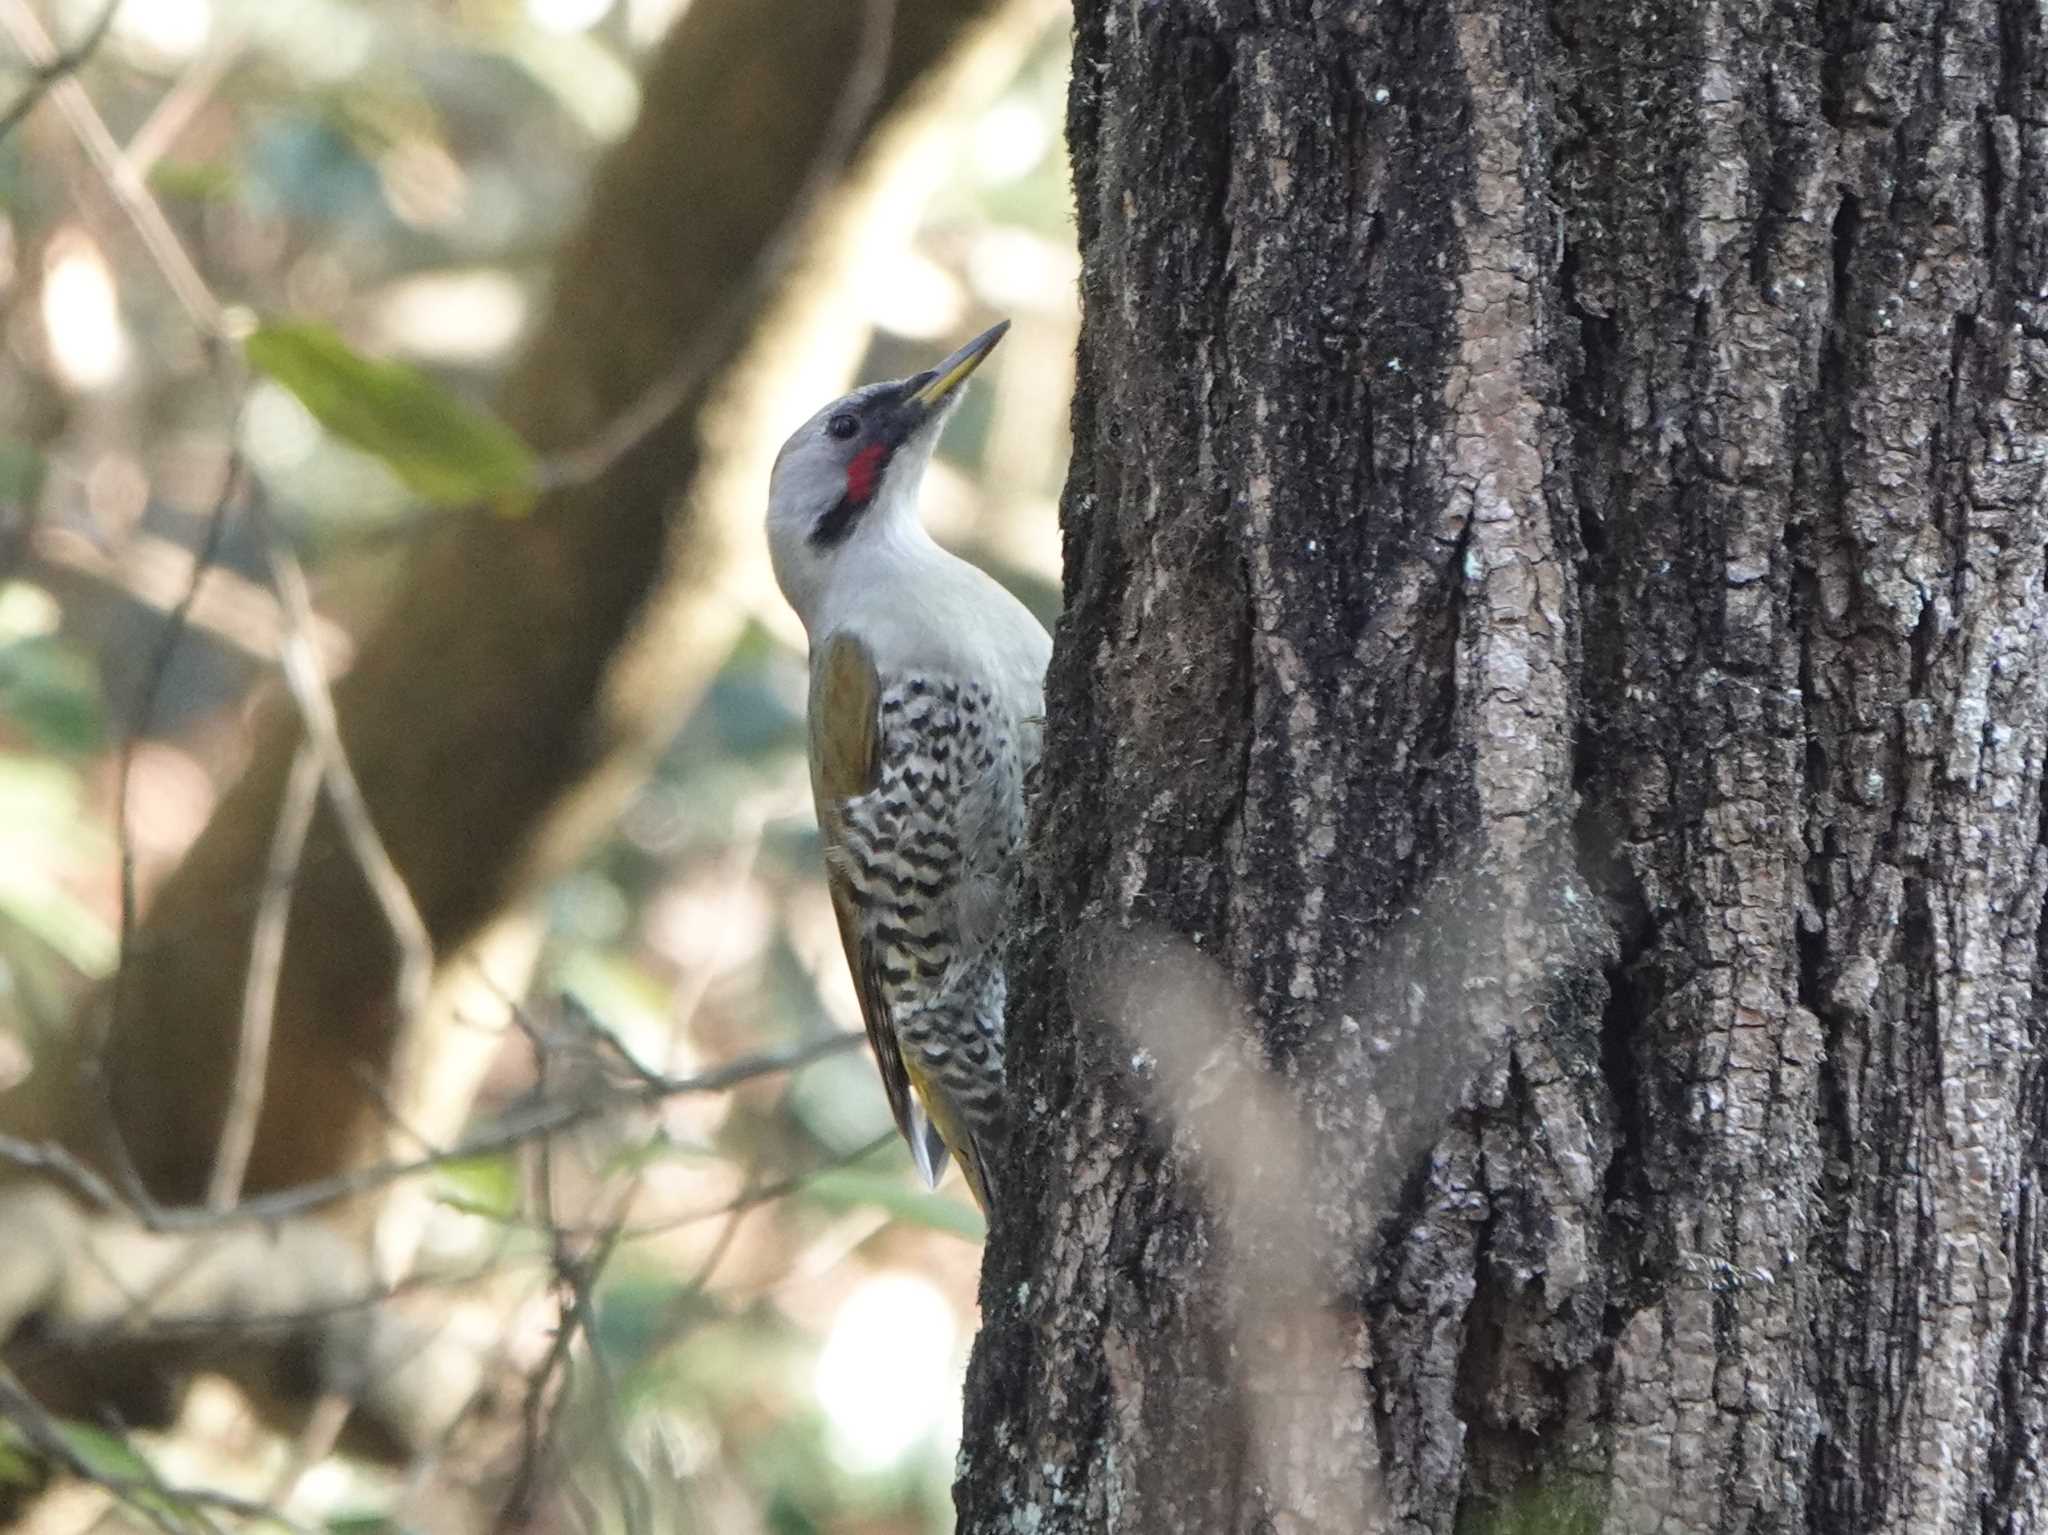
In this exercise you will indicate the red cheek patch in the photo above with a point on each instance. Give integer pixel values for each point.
(863, 471)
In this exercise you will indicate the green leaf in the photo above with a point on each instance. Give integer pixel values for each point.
(40, 987)
(21, 470)
(18, 1467)
(43, 829)
(846, 1187)
(110, 1458)
(486, 1186)
(53, 693)
(196, 180)
(638, 1316)
(105, 1455)
(446, 451)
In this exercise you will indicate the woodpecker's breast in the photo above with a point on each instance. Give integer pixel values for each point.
(931, 848)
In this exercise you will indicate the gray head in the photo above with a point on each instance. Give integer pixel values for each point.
(849, 476)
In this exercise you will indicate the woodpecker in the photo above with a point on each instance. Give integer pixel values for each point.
(926, 697)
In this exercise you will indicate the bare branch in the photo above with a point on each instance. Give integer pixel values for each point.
(174, 112)
(145, 1495)
(857, 101)
(266, 962)
(121, 177)
(54, 1162)
(308, 684)
(575, 1278)
(145, 708)
(54, 65)
(761, 1194)
(537, 1120)
(155, 572)
(517, 1129)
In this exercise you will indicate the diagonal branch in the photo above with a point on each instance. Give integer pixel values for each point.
(144, 1495)
(856, 104)
(123, 180)
(534, 1121)
(51, 65)
(259, 991)
(307, 681)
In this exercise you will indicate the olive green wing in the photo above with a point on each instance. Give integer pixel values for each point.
(846, 753)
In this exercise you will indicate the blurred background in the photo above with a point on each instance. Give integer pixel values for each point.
(777, 1334)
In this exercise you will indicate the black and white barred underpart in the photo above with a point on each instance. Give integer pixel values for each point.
(930, 853)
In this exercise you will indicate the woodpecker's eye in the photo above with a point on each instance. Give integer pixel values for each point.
(843, 426)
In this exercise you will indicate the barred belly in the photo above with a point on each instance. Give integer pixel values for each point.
(930, 854)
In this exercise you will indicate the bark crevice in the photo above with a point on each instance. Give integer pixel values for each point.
(1636, 729)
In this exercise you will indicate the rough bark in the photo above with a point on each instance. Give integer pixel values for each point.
(1555, 611)
(530, 668)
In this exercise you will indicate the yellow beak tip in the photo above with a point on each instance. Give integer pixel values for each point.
(954, 371)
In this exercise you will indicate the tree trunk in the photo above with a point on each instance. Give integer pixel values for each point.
(1529, 1012)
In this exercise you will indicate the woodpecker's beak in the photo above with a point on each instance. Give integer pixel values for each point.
(941, 383)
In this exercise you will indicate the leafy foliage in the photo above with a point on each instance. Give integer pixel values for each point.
(52, 692)
(448, 452)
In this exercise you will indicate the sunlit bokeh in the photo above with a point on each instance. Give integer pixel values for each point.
(648, 19)
(279, 433)
(463, 317)
(174, 30)
(82, 313)
(1010, 139)
(27, 612)
(885, 1375)
(567, 15)
(910, 295)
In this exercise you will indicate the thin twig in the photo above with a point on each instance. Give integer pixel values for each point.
(858, 97)
(544, 1118)
(137, 1325)
(146, 1495)
(259, 982)
(127, 187)
(155, 572)
(723, 1242)
(760, 1195)
(315, 1442)
(747, 1199)
(175, 110)
(549, 1385)
(627, 1485)
(54, 66)
(307, 682)
(145, 710)
(515, 1129)
(579, 1277)
(161, 242)
(53, 1161)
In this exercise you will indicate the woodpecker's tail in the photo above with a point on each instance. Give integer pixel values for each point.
(927, 1146)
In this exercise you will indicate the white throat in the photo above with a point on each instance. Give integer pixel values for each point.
(887, 547)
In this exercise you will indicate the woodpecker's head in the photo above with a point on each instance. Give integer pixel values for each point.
(849, 476)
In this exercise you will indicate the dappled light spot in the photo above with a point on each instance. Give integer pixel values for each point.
(884, 1377)
(82, 325)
